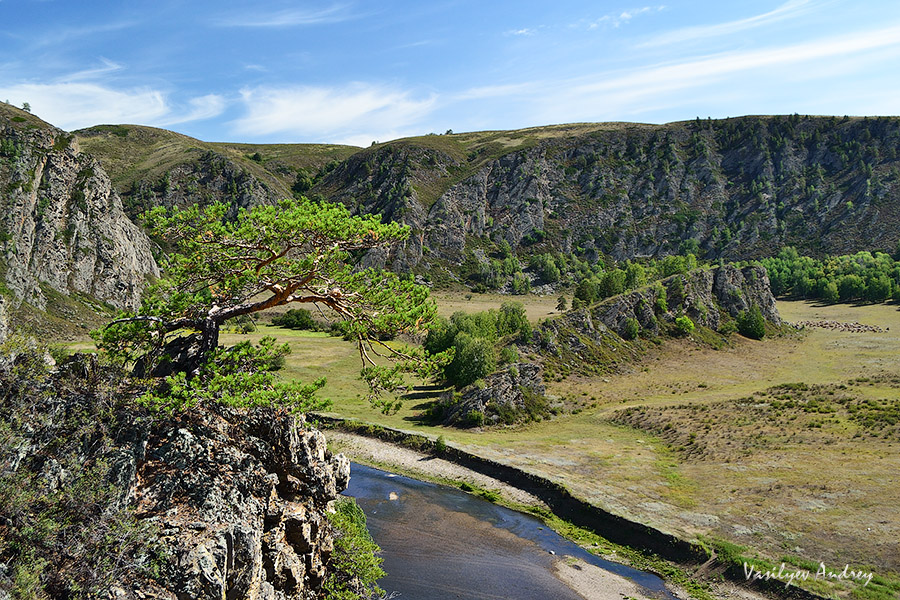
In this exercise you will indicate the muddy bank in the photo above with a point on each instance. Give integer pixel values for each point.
(555, 496)
(439, 542)
(414, 454)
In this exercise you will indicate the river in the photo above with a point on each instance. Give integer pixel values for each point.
(441, 543)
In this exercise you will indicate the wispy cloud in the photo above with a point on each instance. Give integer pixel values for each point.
(526, 31)
(74, 105)
(496, 91)
(107, 66)
(788, 10)
(331, 113)
(198, 109)
(61, 36)
(686, 83)
(617, 19)
(692, 72)
(293, 17)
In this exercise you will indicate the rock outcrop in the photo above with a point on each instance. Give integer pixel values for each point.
(512, 394)
(62, 225)
(209, 504)
(593, 338)
(241, 501)
(4, 320)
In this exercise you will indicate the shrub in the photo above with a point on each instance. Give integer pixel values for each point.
(521, 285)
(354, 562)
(295, 318)
(632, 329)
(751, 324)
(662, 305)
(243, 323)
(475, 418)
(684, 325)
(509, 354)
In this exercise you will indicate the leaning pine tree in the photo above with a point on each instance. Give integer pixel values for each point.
(297, 252)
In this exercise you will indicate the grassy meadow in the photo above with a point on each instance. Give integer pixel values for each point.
(789, 446)
(704, 442)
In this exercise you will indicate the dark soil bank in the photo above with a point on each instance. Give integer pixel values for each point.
(439, 542)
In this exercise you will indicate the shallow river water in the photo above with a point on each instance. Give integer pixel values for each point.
(439, 542)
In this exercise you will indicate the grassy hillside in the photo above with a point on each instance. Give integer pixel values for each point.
(155, 166)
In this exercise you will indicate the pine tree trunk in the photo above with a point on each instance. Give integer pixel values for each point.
(209, 341)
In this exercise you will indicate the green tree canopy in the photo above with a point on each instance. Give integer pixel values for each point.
(297, 252)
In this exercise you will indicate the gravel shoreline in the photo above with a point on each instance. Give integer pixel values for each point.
(376, 452)
(588, 581)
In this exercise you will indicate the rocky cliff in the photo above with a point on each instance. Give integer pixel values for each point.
(62, 226)
(735, 189)
(211, 504)
(594, 339)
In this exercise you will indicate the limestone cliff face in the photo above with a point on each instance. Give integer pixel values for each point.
(62, 224)
(739, 188)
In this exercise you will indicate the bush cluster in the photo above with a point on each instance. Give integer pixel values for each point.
(865, 276)
(474, 339)
(354, 567)
(64, 532)
(595, 286)
(296, 318)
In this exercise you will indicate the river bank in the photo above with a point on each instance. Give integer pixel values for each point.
(588, 581)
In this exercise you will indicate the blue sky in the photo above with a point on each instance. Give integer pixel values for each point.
(357, 71)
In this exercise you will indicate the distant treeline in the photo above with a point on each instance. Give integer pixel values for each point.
(864, 276)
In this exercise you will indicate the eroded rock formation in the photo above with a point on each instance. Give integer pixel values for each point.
(62, 226)
(211, 503)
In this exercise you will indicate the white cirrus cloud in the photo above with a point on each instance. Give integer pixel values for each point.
(74, 104)
(292, 17)
(788, 10)
(200, 108)
(105, 68)
(319, 113)
(763, 75)
(621, 18)
(689, 73)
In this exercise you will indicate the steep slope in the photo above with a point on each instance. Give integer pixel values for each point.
(736, 188)
(151, 167)
(62, 226)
